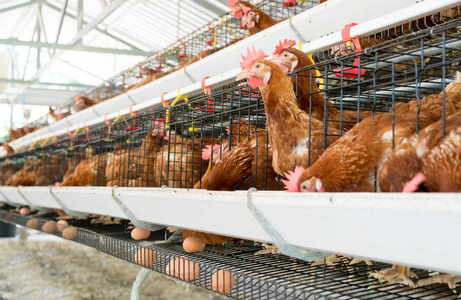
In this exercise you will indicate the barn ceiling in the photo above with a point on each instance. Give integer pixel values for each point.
(52, 49)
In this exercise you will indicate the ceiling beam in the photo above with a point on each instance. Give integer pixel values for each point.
(33, 82)
(16, 42)
(90, 26)
(97, 29)
(213, 6)
(13, 7)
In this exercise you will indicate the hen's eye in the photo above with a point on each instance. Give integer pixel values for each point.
(257, 66)
(286, 55)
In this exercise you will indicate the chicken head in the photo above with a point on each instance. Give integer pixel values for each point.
(255, 69)
(250, 17)
(237, 7)
(286, 60)
(313, 184)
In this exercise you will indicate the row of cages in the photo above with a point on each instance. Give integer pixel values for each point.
(226, 31)
(192, 141)
(218, 34)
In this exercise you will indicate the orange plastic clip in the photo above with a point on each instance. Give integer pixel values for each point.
(350, 72)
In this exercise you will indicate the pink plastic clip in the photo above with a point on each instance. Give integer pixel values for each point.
(207, 89)
(185, 49)
(164, 102)
(105, 119)
(131, 109)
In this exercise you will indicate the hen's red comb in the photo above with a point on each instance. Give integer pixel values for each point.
(291, 183)
(233, 3)
(412, 185)
(251, 56)
(286, 44)
(76, 98)
(208, 150)
(158, 123)
(5, 144)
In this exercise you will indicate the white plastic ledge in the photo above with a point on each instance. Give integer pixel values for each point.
(419, 230)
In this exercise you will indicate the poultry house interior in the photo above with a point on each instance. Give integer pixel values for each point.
(370, 124)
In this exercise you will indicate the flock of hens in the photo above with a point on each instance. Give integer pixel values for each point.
(416, 147)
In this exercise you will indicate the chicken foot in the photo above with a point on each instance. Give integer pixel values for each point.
(449, 279)
(268, 249)
(357, 260)
(330, 260)
(397, 274)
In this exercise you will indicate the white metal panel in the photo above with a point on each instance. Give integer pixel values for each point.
(40, 196)
(2, 198)
(112, 106)
(91, 200)
(80, 118)
(224, 213)
(419, 230)
(11, 192)
(386, 19)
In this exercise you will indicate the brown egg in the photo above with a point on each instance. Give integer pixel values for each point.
(222, 282)
(32, 223)
(193, 244)
(69, 233)
(145, 257)
(140, 233)
(49, 227)
(24, 211)
(183, 268)
(61, 225)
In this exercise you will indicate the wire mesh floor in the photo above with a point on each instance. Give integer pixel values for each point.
(264, 276)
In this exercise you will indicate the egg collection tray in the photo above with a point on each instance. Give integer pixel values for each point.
(265, 276)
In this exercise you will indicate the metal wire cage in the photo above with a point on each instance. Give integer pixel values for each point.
(218, 34)
(182, 141)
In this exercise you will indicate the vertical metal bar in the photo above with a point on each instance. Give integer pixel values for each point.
(443, 79)
(79, 15)
(358, 91)
(61, 20)
(38, 49)
(393, 104)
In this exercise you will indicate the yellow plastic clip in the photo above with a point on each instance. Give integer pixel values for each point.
(32, 145)
(213, 42)
(76, 131)
(173, 48)
(43, 143)
(317, 73)
(167, 113)
(300, 47)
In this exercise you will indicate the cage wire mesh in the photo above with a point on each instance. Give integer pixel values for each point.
(231, 270)
(180, 143)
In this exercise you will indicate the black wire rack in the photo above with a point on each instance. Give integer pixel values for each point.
(165, 146)
(265, 276)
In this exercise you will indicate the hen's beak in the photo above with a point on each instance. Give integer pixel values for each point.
(243, 75)
(245, 20)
